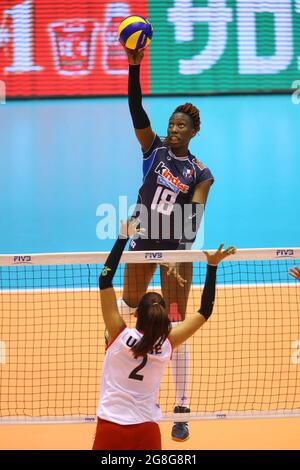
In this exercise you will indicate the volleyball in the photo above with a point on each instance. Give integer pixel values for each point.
(135, 32)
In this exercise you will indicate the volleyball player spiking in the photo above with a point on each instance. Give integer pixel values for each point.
(173, 194)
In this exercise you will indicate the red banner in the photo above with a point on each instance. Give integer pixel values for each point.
(65, 47)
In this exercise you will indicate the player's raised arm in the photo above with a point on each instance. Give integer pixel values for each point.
(139, 116)
(191, 324)
(111, 316)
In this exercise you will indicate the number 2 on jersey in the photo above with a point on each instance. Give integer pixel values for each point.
(134, 375)
(164, 200)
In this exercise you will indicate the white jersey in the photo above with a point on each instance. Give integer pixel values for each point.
(129, 387)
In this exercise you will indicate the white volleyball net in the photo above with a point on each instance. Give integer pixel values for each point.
(244, 362)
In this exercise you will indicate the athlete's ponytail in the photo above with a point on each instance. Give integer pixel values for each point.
(153, 322)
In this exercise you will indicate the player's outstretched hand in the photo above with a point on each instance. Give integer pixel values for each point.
(295, 272)
(129, 228)
(173, 268)
(135, 57)
(219, 255)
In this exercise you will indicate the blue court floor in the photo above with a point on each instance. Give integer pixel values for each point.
(61, 160)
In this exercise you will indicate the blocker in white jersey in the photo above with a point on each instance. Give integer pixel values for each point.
(136, 358)
(130, 386)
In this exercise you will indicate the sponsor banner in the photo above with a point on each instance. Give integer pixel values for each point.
(65, 47)
(70, 47)
(211, 46)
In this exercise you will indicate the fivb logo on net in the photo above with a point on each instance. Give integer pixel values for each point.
(284, 253)
(162, 226)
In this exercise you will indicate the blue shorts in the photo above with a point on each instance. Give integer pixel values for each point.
(140, 244)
